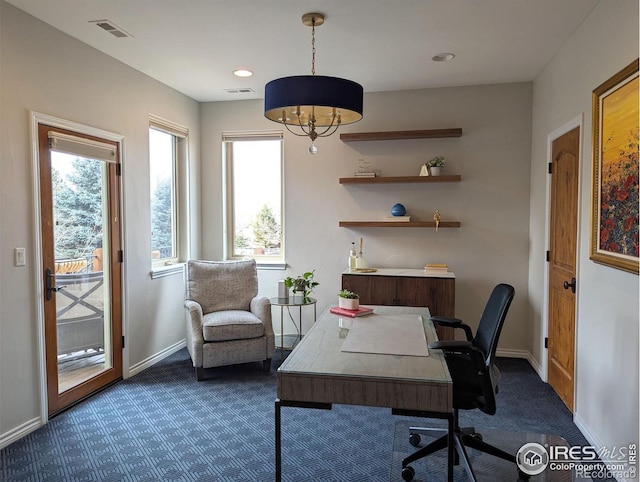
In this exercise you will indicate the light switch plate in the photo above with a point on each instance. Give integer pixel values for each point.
(20, 257)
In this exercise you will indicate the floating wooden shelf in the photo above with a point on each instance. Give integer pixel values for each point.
(399, 135)
(399, 179)
(398, 224)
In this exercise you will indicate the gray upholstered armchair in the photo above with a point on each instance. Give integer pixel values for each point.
(227, 323)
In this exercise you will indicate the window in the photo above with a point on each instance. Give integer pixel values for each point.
(254, 211)
(167, 173)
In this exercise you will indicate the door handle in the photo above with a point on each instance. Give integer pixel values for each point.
(571, 285)
(49, 284)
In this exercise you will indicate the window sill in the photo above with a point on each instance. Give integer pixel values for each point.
(170, 270)
(271, 266)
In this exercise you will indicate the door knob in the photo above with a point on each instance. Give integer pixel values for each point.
(571, 285)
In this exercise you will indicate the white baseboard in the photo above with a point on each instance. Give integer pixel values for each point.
(17, 433)
(521, 354)
(152, 360)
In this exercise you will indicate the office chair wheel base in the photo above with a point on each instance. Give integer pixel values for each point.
(407, 473)
(477, 436)
(414, 439)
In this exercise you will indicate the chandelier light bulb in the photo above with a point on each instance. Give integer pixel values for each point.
(313, 149)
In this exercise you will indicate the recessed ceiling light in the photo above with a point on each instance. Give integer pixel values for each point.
(242, 73)
(444, 57)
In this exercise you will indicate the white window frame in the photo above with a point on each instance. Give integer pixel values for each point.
(264, 262)
(167, 266)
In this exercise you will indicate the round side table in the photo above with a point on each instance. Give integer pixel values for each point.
(288, 303)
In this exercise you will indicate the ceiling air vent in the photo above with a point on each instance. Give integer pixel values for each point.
(110, 27)
(243, 90)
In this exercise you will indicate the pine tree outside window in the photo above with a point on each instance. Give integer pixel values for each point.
(167, 166)
(254, 199)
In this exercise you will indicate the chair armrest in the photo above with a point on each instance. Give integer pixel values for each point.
(261, 307)
(453, 323)
(461, 348)
(446, 321)
(194, 336)
(452, 345)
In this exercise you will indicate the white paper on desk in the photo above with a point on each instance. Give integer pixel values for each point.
(387, 335)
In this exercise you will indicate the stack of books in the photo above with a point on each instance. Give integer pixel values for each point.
(399, 219)
(363, 310)
(364, 174)
(436, 268)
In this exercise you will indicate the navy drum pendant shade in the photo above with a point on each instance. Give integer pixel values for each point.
(324, 97)
(313, 101)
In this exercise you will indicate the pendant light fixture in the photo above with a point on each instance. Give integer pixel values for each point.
(318, 105)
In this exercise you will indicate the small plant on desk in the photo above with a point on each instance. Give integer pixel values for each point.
(348, 300)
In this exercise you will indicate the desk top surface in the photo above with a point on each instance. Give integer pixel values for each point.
(317, 370)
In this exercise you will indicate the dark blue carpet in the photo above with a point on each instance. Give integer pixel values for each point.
(163, 425)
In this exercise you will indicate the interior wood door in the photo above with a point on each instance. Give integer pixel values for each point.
(562, 264)
(81, 256)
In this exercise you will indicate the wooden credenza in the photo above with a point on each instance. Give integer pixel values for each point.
(406, 287)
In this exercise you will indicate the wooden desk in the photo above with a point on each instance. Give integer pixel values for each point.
(318, 374)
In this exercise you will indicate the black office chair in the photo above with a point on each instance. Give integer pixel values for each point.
(475, 382)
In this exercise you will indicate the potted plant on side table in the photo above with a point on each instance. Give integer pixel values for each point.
(302, 285)
(348, 300)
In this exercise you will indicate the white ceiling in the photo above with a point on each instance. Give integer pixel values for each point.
(194, 45)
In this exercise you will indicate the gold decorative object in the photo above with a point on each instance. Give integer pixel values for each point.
(436, 218)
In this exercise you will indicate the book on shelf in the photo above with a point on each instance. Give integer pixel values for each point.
(398, 219)
(363, 310)
(436, 268)
(364, 174)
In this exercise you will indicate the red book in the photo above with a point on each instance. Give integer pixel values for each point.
(363, 310)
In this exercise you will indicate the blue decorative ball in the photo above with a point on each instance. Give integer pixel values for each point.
(398, 210)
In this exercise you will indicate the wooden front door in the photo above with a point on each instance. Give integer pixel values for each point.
(562, 264)
(81, 255)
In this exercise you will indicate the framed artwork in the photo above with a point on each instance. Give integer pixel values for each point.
(614, 220)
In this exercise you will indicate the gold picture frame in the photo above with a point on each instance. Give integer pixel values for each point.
(614, 195)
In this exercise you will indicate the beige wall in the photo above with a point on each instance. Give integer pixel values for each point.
(606, 405)
(46, 71)
(491, 202)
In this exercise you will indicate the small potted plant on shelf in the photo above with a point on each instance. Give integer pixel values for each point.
(302, 285)
(348, 300)
(435, 164)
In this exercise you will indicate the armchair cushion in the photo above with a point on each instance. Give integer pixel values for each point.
(222, 285)
(231, 325)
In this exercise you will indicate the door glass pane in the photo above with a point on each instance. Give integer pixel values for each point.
(80, 211)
